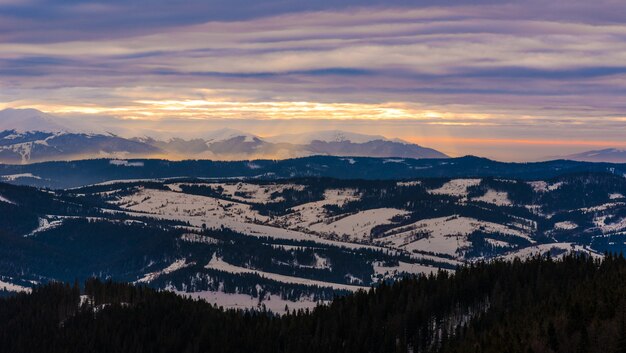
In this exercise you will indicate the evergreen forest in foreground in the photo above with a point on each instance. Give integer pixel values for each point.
(577, 304)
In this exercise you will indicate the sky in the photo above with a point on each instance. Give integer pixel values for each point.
(510, 80)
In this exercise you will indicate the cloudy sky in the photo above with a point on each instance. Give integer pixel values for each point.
(513, 80)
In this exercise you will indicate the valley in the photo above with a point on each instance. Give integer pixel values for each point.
(298, 242)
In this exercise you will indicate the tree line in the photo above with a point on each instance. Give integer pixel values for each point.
(577, 304)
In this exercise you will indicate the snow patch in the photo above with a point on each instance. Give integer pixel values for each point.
(175, 266)
(13, 177)
(218, 263)
(44, 225)
(565, 225)
(13, 287)
(271, 302)
(125, 163)
(499, 198)
(456, 187)
(5, 200)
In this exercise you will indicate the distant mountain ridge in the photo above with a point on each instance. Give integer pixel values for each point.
(612, 155)
(28, 135)
(23, 120)
(85, 172)
(39, 146)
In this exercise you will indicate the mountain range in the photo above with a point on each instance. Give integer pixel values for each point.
(28, 135)
(295, 242)
(70, 174)
(612, 155)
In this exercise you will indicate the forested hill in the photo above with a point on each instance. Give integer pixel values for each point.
(69, 174)
(574, 305)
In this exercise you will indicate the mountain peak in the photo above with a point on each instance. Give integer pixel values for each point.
(328, 136)
(22, 120)
(613, 155)
(225, 134)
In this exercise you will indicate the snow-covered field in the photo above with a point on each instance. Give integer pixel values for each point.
(214, 213)
(456, 187)
(561, 248)
(499, 198)
(444, 240)
(217, 263)
(14, 177)
(402, 268)
(358, 226)
(310, 221)
(271, 302)
(445, 235)
(542, 186)
(13, 287)
(566, 225)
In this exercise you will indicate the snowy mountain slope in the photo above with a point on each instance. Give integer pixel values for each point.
(325, 136)
(301, 240)
(222, 144)
(37, 146)
(612, 155)
(23, 120)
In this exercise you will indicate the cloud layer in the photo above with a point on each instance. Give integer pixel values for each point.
(465, 69)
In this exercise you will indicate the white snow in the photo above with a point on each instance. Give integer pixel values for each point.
(408, 183)
(499, 198)
(197, 238)
(125, 163)
(271, 302)
(23, 120)
(13, 177)
(325, 136)
(542, 186)
(303, 216)
(349, 160)
(497, 243)
(227, 134)
(214, 213)
(393, 160)
(456, 187)
(44, 225)
(5, 200)
(566, 225)
(542, 249)
(445, 235)
(217, 263)
(618, 226)
(600, 208)
(357, 226)
(13, 287)
(175, 266)
(247, 192)
(614, 196)
(402, 268)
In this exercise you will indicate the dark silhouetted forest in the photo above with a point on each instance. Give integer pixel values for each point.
(541, 305)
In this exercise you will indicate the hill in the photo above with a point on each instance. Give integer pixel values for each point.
(574, 305)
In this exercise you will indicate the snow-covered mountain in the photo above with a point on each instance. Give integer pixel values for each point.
(612, 155)
(226, 134)
(38, 146)
(326, 136)
(23, 120)
(301, 240)
(28, 135)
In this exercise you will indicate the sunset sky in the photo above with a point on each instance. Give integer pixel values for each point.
(512, 80)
